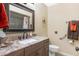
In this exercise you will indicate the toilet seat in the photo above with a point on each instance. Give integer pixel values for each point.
(53, 48)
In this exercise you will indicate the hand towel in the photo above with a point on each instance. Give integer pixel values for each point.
(4, 23)
(73, 26)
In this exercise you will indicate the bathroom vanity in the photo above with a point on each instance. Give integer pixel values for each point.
(21, 19)
(40, 47)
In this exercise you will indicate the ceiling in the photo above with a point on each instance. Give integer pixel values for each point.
(49, 4)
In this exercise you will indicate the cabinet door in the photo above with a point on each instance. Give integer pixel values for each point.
(37, 52)
(45, 50)
(38, 49)
(28, 51)
(42, 51)
(17, 53)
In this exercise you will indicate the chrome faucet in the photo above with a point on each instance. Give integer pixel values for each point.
(24, 36)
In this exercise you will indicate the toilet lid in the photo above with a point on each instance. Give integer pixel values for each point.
(53, 47)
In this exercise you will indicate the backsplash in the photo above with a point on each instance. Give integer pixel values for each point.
(13, 36)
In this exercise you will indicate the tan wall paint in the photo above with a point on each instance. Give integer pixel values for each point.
(57, 16)
(40, 14)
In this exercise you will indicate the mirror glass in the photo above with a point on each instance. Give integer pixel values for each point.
(20, 17)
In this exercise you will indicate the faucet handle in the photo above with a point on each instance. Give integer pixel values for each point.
(19, 37)
(23, 35)
(26, 35)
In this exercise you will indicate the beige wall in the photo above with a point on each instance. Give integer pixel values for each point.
(40, 14)
(57, 16)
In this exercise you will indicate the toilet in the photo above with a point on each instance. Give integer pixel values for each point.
(53, 49)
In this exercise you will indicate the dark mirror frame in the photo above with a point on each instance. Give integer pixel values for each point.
(22, 7)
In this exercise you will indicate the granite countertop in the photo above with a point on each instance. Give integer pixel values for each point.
(16, 46)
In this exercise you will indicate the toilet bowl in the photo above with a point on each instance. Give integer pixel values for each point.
(53, 49)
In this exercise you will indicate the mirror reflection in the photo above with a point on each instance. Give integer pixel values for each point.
(20, 17)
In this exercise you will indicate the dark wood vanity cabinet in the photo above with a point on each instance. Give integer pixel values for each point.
(17, 53)
(38, 49)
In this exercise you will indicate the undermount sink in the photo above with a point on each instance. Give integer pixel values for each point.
(26, 41)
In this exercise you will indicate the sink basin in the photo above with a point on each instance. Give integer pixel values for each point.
(26, 41)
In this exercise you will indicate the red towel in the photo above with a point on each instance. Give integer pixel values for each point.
(3, 17)
(73, 26)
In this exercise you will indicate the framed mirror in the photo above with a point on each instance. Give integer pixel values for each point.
(21, 18)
